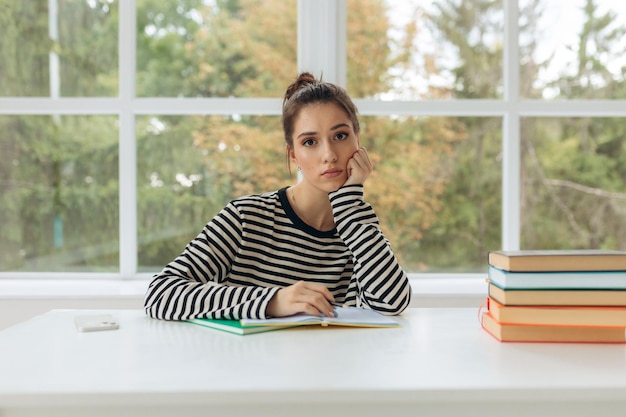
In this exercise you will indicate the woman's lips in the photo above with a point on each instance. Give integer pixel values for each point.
(331, 173)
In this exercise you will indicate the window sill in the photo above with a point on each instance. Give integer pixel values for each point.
(71, 288)
(425, 286)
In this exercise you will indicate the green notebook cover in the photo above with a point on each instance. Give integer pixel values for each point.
(234, 326)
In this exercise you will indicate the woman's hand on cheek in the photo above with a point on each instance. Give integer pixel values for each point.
(359, 167)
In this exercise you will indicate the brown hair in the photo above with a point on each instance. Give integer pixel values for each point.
(306, 90)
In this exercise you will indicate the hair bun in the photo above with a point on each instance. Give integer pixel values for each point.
(304, 79)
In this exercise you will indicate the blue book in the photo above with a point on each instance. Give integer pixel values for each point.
(597, 280)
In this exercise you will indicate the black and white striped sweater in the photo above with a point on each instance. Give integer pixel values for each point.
(257, 245)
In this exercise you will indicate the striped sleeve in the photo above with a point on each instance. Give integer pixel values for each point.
(192, 285)
(382, 283)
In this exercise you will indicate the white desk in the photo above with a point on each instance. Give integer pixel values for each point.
(440, 363)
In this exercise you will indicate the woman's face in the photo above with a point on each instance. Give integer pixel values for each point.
(323, 142)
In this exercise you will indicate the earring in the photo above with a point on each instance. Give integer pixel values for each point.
(299, 169)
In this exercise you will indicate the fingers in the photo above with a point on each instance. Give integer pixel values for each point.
(359, 167)
(315, 298)
(362, 159)
(302, 297)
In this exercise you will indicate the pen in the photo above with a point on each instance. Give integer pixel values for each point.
(335, 304)
(334, 312)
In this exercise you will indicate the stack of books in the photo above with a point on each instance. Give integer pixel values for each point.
(556, 296)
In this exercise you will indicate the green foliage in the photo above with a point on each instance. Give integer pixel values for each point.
(69, 178)
(573, 191)
(474, 29)
(88, 51)
(468, 225)
(24, 67)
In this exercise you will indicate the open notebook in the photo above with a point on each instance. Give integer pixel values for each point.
(345, 316)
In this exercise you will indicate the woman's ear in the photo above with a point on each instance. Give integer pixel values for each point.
(291, 155)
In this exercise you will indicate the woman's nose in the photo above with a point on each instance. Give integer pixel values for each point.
(329, 153)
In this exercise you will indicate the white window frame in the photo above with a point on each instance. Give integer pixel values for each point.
(321, 49)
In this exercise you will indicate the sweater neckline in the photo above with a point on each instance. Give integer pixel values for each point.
(297, 221)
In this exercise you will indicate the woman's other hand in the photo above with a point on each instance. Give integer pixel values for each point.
(301, 297)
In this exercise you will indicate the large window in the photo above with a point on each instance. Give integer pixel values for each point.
(126, 125)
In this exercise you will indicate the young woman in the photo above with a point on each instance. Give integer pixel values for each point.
(297, 249)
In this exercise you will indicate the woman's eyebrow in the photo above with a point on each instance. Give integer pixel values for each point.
(337, 126)
(340, 125)
(307, 134)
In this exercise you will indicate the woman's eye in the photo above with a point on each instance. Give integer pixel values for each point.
(309, 142)
(341, 136)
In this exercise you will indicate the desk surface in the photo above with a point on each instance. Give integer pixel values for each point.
(439, 362)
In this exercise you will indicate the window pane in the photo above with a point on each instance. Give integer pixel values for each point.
(197, 48)
(425, 49)
(574, 192)
(190, 167)
(436, 188)
(573, 49)
(72, 53)
(59, 187)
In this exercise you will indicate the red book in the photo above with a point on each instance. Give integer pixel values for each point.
(554, 334)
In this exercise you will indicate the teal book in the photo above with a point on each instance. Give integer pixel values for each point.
(234, 326)
(575, 280)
